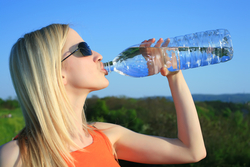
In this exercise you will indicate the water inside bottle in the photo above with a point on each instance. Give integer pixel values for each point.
(141, 62)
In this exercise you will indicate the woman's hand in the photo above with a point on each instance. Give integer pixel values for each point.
(152, 54)
(157, 56)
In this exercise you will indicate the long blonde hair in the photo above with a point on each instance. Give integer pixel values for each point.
(35, 67)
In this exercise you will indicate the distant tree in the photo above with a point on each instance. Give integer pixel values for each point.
(9, 103)
(1, 103)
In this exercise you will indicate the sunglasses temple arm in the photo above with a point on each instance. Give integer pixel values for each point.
(69, 55)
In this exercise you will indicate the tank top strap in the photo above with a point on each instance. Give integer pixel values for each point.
(98, 134)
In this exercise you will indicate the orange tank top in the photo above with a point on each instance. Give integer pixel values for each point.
(97, 154)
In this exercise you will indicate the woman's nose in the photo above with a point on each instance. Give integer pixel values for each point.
(97, 56)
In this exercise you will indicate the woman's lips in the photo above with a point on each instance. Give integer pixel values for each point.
(104, 70)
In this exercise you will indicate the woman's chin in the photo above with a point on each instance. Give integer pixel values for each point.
(101, 87)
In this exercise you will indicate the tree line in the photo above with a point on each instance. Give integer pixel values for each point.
(9, 103)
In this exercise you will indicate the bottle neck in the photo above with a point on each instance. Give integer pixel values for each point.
(109, 66)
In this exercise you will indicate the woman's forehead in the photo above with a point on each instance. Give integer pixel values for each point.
(73, 39)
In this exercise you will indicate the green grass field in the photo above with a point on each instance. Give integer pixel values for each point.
(9, 127)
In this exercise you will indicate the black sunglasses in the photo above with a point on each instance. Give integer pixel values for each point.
(84, 49)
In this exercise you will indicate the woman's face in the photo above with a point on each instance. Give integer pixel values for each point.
(82, 73)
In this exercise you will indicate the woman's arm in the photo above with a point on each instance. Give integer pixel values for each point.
(189, 130)
(187, 148)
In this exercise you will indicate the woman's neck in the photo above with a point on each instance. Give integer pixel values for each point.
(77, 102)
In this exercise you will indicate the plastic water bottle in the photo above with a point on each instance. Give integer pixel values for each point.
(182, 52)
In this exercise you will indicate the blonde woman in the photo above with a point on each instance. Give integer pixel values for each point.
(53, 70)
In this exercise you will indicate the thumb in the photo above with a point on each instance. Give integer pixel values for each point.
(164, 71)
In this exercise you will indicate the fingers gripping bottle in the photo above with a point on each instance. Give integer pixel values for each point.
(182, 52)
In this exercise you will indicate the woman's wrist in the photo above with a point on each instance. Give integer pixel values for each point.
(172, 74)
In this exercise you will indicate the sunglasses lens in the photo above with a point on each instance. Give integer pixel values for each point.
(84, 49)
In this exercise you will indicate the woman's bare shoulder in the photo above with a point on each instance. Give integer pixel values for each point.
(107, 127)
(10, 154)
(112, 131)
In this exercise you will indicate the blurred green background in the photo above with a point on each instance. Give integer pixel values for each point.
(225, 125)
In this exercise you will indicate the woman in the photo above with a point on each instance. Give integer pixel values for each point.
(53, 70)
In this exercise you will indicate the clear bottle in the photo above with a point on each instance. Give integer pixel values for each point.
(182, 52)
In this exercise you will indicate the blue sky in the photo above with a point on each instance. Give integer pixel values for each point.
(110, 26)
